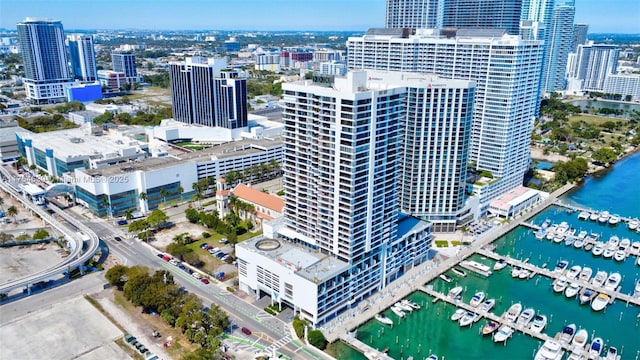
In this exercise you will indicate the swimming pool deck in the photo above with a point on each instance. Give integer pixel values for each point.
(343, 325)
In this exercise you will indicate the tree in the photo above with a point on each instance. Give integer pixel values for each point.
(157, 218)
(142, 196)
(12, 211)
(192, 215)
(164, 193)
(40, 234)
(138, 225)
(605, 155)
(128, 214)
(316, 338)
(116, 275)
(179, 191)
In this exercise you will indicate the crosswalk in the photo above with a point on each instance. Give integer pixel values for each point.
(278, 344)
(264, 315)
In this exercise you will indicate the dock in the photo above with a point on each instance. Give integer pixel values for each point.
(554, 276)
(367, 350)
(574, 208)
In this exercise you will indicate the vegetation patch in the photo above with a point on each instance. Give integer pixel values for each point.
(442, 243)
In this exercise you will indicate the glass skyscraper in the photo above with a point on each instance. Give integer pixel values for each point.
(83, 57)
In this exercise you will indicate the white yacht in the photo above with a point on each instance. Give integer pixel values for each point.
(538, 323)
(458, 314)
(636, 290)
(562, 228)
(596, 348)
(620, 254)
(576, 354)
(487, 305)
(477, 299)
(408, 302)
(490, 327)
(560, 284)
(513, 312)
(524, 273)
(613, 281)
(540, 234)
(383, 319)
(446, 278)
(573, 272)
(402, 306)
(585, 274)
(601, 277)
(633, 224)
(551, 232)
(614, 220)
(567, 333)
(594, 216)
(604, 217)
(561, 266)
(598, 248)
(499, 265)
(581, 338)
(399, 313)
(609, 252)
(635, 248)
(558, 238)
(453, 293)
(572, 290)
(459, 272)
(625, 243)
(638, 260)
(592, 237)
(614, 240)
(586, 296)
(432, 357)
(525, 317)
(582, 235)
(550, 350)
(515, 271)
(503, 334)
(468, 319)
(600, 302)
(610, 354)
(584, 215)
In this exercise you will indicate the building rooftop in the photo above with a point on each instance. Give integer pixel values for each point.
(8, 133)
(309, 264)
(249, 194)
(512, 198)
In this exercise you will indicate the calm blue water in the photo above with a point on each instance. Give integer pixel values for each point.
(544, 165)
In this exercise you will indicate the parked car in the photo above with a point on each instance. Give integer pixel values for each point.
(220, 255)
(203, 245)
(173, 262)
(160, 255)
(204, 280)
(122, 222)
(246, 331)
(166, 257)
(196, 275)
(224, 241)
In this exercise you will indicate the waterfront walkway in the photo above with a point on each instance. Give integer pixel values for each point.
(556, 275)
(343, 325)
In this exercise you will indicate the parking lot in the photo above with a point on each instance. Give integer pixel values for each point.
(20, 261)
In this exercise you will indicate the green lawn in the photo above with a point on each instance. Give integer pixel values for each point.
(593, 119)
(442, 243)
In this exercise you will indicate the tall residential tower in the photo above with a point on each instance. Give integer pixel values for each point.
(83, 57)
(413, 14)
(45, 60)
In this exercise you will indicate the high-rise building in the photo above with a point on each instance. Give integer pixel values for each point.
(506, 70)
(45, 60)
(482, 14)
(343, 237)
(627, 85)
(559, 40)
(125, 62)
(412, 14)
(580, 32)
(204, 92)
(592, 64)
(83, 57)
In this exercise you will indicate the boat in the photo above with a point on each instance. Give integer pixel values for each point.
(408, 302)
(404, 307)
(594, 216)
(453, 293)
(477, 299)
(614, 220)
(581, 338)
(546, 224)
(638, 260)
(383, 319)
(588, 247)
(538, 323)
(604, 217)
(499, 265)
(574, 271)
(569, 241)
(562, 228)
(586, 296)
(446, 278)
(468, 319)
(633, 224)
(613, 281)
(598, 248)
(625, 243)
(601, 277)
(576, 354)
(458, 314)
(578, 244)
(477, 267)
(459, 272)
(550, 350)
(620, 254)
(609, 252)
(551, 232)
(524, 273)
(560, 284)
(584, 215)
(432, 357)
(585, 274)
(540, 234)
(567, 333)
(490, 328)
(572, 290)
(515, 271)
(525, 317)
(513, 312)
(635, 248)
(582, 235)
(558, 238)
(636, 290)
(596, 348)
(613, 241)
(399, 313)
(600, 302)
(561, 266)
(611, 354)
(487, 305)
(503, 333)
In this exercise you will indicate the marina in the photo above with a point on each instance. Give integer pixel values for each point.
(617, 326)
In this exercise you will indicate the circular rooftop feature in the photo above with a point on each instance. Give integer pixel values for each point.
(267, 244)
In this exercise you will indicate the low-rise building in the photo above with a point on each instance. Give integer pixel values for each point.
(512, 203)
(8, 143)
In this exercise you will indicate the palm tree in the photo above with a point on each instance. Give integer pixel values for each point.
(142, 196)
(164, 193)
(197, 188)
(107, 203)
(12, 211)
(128, 214)
(180, 190)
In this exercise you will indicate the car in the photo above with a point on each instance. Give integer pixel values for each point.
(122, 222)
(208, 247)
(225, 258)
(182, 267)
(224, 241)
(173, 262)
(220, 255)
(117, 238)
(166, 258)
(204, 246)
(246, 331)
(204, 280)
(160, 255)
(196, 275)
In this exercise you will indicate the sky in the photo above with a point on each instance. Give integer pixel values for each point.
(603, 16)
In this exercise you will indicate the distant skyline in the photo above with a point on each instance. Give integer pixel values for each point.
(614, 16)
